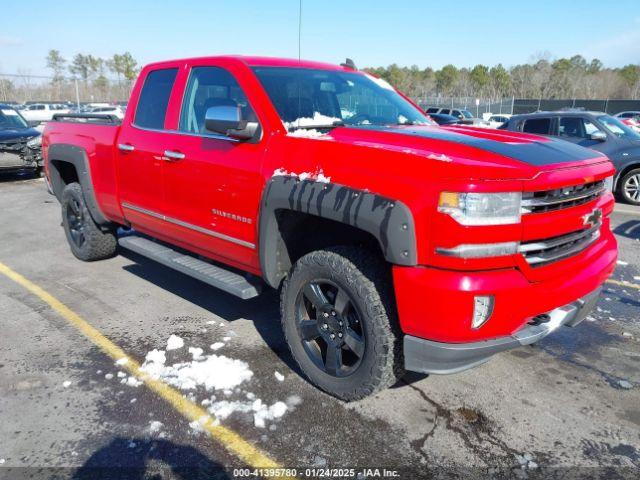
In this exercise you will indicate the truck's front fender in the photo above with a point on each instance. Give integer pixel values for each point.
(389, 221)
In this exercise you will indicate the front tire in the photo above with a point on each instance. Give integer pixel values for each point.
(339, 319)
(87, 241)
(629, 187)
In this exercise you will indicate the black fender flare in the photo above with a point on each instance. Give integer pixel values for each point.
(61, 152)
(389, 221)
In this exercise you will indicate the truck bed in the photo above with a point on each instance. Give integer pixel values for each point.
(97, 136)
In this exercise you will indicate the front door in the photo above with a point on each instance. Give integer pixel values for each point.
(579, 130)
(140, 152)
(213, 183)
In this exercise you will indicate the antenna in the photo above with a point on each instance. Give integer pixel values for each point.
(300, 30)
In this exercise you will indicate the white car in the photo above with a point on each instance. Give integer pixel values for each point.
(42, 112)
(115, 110)
(496, 121)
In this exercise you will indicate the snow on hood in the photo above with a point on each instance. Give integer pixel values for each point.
(318, 120)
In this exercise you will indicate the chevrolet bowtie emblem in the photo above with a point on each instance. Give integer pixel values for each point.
(592, 218)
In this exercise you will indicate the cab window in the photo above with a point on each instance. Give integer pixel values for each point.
(154, 99)
(576, 127)
(538, 126)
(210, 87)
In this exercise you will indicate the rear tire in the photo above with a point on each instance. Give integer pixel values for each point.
(86, 240)
(629, 187)
(339, 319)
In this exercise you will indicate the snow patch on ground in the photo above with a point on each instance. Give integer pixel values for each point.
(222, 378)
(175, 342)
(620, 262)
(261, 412)
(213, 372)
(122, 361)
(155, 426)
(196, 352)
(66, 384)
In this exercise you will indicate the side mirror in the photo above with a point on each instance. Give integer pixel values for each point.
(226, 120)
(599, 136)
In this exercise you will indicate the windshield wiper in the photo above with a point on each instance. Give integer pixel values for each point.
(337, 123)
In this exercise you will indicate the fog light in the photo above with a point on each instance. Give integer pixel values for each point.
(482, 310)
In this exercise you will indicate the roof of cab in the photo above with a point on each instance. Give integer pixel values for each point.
(254, 61)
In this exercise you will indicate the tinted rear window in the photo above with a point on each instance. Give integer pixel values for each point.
(154, 98)
(540, 126)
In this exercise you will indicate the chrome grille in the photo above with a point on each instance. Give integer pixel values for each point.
(549, 200)
(542, 252)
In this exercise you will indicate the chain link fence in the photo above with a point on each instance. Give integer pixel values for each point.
(479, 107)
(611, 106)
(24, 88)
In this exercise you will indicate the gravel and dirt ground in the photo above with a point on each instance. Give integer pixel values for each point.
(566, 407)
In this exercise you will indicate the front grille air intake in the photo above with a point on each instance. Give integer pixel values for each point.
(542, 252)
(550, 200)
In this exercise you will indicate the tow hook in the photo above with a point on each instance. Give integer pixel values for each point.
(538, 319)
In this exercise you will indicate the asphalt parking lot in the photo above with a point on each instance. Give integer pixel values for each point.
(569, 405)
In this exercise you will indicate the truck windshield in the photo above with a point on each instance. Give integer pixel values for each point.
(11, 119)
(618, 128)
(310, 98)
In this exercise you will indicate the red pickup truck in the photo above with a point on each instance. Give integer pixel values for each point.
(396, 244)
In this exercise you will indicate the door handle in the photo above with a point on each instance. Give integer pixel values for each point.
(172, 156)
(125, 147)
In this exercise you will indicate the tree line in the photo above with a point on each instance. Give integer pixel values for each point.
(97, 79)
(110, 79)
(542, 78)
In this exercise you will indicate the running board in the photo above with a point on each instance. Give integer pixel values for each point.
(230, 282)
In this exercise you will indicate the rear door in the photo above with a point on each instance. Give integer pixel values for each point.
(213, 185)
(140, 151)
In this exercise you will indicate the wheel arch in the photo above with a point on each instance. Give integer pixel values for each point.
(291, 207)
(633, 164)
(68, 163)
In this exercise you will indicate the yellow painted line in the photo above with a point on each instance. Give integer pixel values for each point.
(232, 441)
(624, 284)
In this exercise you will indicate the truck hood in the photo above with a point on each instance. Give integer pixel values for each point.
(468, 142)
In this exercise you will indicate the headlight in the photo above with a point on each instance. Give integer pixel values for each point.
(608, 184)
(482, 208)
(35, 142)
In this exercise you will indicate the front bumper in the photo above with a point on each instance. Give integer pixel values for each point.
(15, 160)
(427, 356)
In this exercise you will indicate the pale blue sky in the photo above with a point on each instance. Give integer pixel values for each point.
(373, 33)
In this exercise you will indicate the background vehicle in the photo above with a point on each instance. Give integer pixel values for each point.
(629, 114)
(325, 182)
(442, 119)
(464, 116)
(115, 110)
(42, 112)
(595, 130)
(496, 121)
(20, 145)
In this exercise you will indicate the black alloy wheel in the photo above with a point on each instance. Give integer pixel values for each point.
(330, 328)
